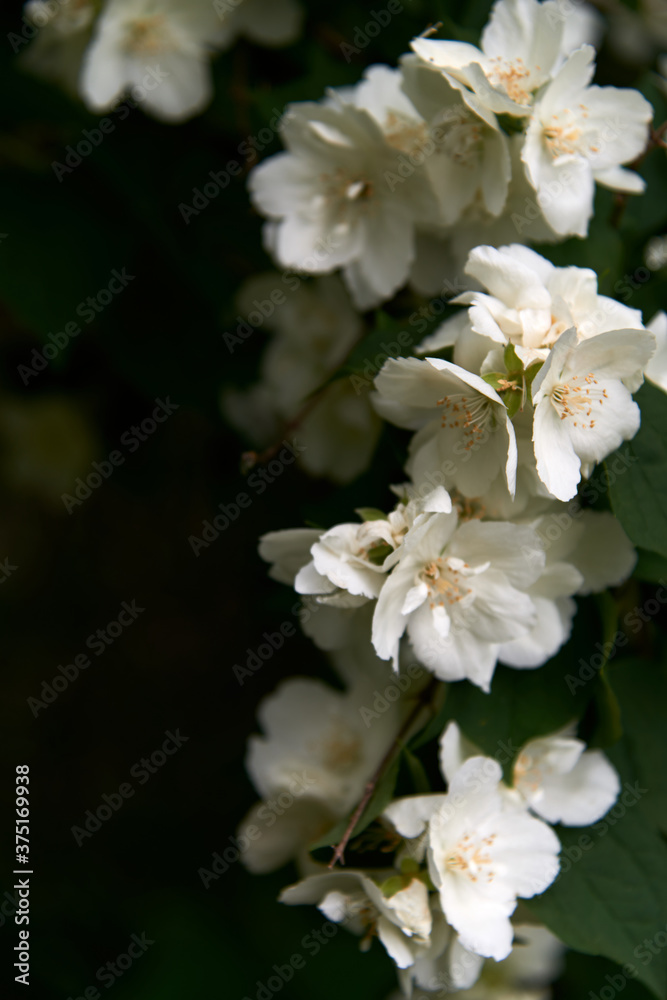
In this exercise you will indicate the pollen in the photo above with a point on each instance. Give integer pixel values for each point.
(472, 858)
(574, 399)
(148, 36)
(513, 77)
(472, 416)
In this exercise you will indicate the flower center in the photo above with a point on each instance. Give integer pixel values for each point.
(577, 398)
(471, 858)
(512, 76)
(147, 35)
(405, 134)
(343, 191)
(468, 508)
(563, 135)
(443, 579)
(527, 772)
(462, 137)
(340, 750)
(472, 415)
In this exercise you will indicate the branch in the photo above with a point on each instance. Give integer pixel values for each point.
(371, 784)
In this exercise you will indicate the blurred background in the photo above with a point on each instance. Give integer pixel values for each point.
(81, 541)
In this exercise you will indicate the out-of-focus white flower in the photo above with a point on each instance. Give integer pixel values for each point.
(161, 48)
(460, 593)
(402, 921)
(461, 422)
(332, 203)
(64, 31)
(483, 850)
(317, 749)
(563, 782)
(580, 135)
(528, 302)
(468, 157)
(555, 776)
(272, 23)
(656, 370)
(583, 409)
(314, 326)
(46, 442)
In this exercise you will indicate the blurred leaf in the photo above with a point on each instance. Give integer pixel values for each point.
(638, 491)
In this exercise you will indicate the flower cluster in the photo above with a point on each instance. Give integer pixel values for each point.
(457, 147)
(157, 51)
(414, 174)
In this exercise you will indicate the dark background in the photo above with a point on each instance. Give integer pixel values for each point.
(172, 668)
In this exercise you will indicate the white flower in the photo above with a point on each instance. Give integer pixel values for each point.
(402, 921)
(528, 302)
(579, 135)
(288, 551)
(555, 775)
(463, 427)
(520, 47)
(332, 202)
(483, 852)
(656, 370)
(160, 47)
(468, 159)
(563, 782)
(583, 411)
(593, 543)
(317, 749)
(64, 30)
(315, 327)
(460, 593)
(343, 561)
(584, 554)
(273, 23)
(535, 961)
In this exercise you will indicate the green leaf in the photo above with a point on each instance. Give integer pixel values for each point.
(650, 566)
(419, 777)
(394, 884)
(378, 553)
(512, 360)
(370, 514)
(638, 478)
(611, 895)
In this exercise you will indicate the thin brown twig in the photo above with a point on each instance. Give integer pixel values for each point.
(371, 784)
